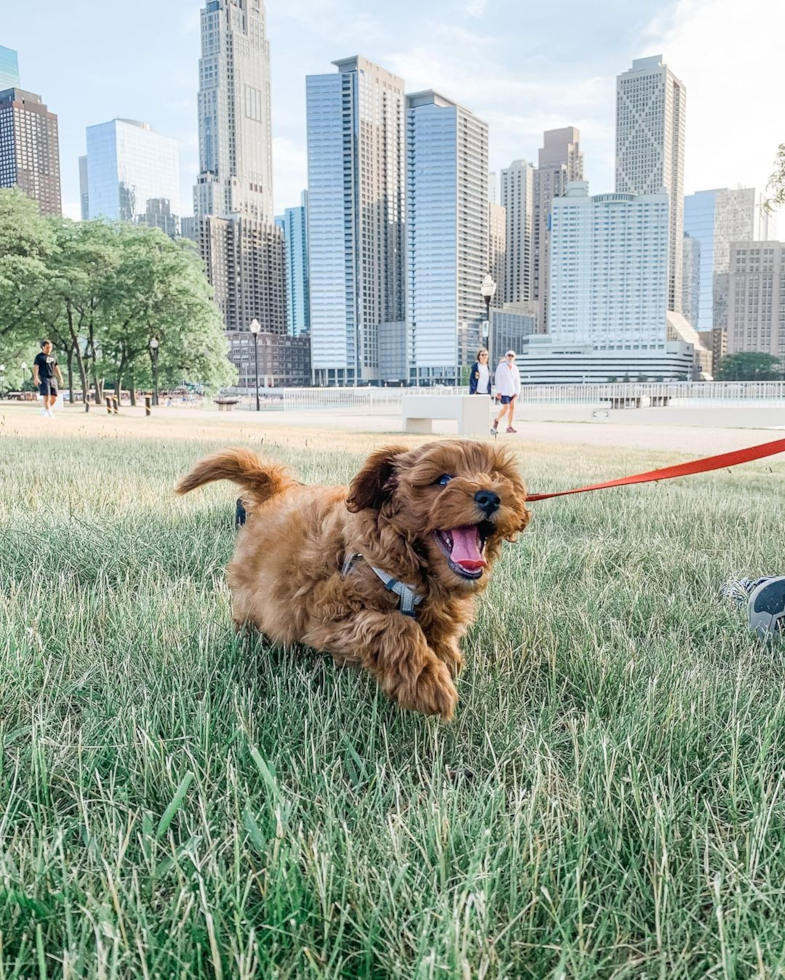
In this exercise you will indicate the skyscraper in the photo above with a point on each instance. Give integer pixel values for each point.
(497, 249)
(651, 105)
(518, 202)
(756, 308)
(30, 148)
(715, 219)
(242, 249)
(298, 307)
(493, 187)
(84, 190)
(609, 293)
(447, 235)
(9, 69)
(609, 259)
(129, 164)
(691, 280)
(560, 161)
(235, 136)
(356, 200)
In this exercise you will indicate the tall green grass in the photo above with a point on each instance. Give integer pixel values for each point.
(179, 801)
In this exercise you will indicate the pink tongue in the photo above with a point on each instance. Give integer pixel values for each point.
(466, 548)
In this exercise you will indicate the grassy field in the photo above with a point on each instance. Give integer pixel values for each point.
(176, 801)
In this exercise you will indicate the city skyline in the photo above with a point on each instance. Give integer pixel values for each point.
(469, 52)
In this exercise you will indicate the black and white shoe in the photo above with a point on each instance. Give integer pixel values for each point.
(764, 599)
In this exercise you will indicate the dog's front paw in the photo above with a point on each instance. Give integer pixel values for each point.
(433, 693)
(450, 655)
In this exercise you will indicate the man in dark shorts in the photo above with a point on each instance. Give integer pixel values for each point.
(46, 376)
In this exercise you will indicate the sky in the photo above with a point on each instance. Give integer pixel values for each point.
(524, 67)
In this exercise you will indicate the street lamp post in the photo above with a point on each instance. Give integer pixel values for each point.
(2, 380)
(24, 373)
(155, 344)
(488, 289)
(255, 328)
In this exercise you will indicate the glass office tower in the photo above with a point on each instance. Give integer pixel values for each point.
(9, 69)
(715, 219)
(447, 235)
(356, 174)
(128, 164)
(295, 225)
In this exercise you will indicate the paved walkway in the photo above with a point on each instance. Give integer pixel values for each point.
(700, 440)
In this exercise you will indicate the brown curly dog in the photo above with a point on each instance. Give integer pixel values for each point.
(383, 574)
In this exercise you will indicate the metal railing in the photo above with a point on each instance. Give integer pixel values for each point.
(682, 393)
(382, 401)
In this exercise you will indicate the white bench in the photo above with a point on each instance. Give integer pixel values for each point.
(472, 412)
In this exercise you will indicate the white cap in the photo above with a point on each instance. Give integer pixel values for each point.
(510, 353)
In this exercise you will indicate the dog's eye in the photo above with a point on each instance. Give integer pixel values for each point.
(444, 479)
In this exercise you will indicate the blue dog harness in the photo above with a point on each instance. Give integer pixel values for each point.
(408, 599)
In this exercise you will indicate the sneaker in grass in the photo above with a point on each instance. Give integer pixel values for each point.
(764, 600)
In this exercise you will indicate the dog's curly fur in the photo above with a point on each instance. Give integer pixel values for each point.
(286, 575)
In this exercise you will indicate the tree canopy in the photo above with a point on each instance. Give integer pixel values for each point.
(750, 366)
(101, 292)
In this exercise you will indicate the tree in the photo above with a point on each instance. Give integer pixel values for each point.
(161, 291)
(750, 366)
(27, 243)
(101, 291)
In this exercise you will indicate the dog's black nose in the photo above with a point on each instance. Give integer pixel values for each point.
(487, 501)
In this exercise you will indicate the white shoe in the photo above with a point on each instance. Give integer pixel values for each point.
(44, 411)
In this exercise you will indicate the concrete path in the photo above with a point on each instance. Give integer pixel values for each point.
(629, 433)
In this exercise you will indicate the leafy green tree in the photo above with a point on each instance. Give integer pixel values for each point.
(162, 292)
(101, 291)
(750, 366)
(27, 244)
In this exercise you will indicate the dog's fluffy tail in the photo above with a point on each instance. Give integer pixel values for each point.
(259, 479)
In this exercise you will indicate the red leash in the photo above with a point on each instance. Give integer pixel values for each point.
(682, 469)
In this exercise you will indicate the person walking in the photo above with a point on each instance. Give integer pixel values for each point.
(480, 377)
(46, 377)
(508, 387)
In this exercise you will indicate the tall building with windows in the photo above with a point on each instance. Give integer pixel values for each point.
(242, 249)
(518, 202)
(356, 222)
(84, 190)
(30, 148)
(560, 161)
(447, 235)
(493, 187)
(497, 250)
(9, 69)
(609, 292)
(128, 165)
(715, 219)
(235, 134)
(609, 284)
(756, 298)
(691, 280)
(651, 111)
(298, 304)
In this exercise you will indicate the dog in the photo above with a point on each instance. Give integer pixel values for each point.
(382, 574)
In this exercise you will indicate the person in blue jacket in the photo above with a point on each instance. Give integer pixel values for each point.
(480, 377)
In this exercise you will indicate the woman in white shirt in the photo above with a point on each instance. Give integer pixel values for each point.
(480, 377)
(508, 387)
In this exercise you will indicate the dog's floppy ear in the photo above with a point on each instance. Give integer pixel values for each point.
(375, 481)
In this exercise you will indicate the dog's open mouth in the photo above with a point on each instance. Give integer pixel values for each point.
(463, 547)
